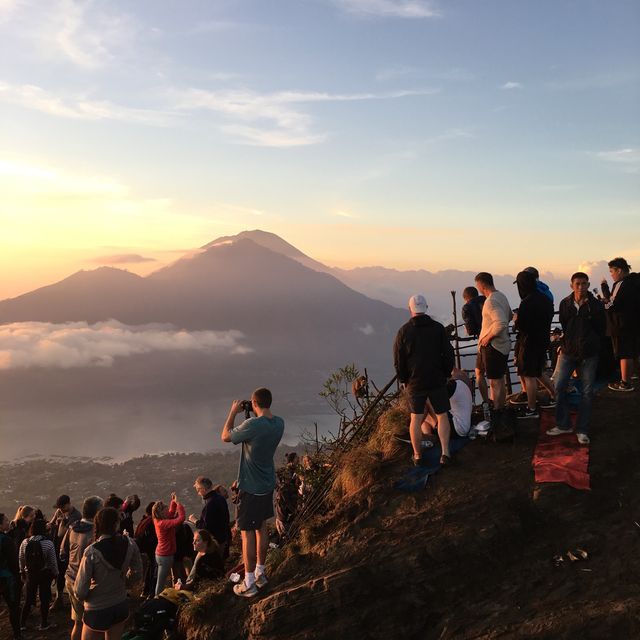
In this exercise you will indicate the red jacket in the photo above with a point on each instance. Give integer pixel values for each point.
(166, 530)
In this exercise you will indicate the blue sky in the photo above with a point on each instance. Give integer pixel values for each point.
(407, 133)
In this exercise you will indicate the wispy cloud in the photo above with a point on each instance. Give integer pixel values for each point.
(343, 213)
(78, 344)
(273, 119)
(511, 85)
(78, 107)
(121, 258)
(390, 8)
(628, 159)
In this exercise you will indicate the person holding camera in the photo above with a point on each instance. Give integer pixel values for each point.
(260, 437)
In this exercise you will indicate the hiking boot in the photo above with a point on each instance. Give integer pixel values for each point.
(557, 431)
(620, 386)
(583, 438)
(518, 398)
(528, 413)
(261, 581)
(242, 590)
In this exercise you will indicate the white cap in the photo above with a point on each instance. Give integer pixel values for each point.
(417, 304)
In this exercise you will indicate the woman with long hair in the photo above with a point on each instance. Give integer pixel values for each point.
(108, 567)
(207, 565)
(166, 520)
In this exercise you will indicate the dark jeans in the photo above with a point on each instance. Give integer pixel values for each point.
(62, 569)
(10, 589)
(37, 584)
(587, 374)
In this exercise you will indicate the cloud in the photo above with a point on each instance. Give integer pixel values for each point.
(511, 85)
(390, 8)
(77, 107)
(122, 258)
(272, 119)
(368, 329)
(628, 159)
(78, 344)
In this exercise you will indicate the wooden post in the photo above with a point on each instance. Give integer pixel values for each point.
(455, 323)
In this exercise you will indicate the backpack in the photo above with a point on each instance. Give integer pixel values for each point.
(34, 558)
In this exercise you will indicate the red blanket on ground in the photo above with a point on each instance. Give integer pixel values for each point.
(560, 458)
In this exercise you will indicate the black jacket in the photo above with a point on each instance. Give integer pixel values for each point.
(215, 518)
(8, 555)
(533, 324)
(422, 354)
(623, 311)
(472, 315)
(583, 329)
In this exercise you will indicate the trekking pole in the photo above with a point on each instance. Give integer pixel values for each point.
(455, 322)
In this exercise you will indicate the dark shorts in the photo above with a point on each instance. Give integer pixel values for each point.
(530, 360)
(253, 510)
(494, 362)
(625, 346)
(438, 397)
(104, 619)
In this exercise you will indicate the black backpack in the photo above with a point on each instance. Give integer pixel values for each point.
(34, 558)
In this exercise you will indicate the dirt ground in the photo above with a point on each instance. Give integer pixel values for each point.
(470, 557)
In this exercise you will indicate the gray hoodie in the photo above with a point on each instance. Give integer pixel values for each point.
(78, 537)
(108, 567)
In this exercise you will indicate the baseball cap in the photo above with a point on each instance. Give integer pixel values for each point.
(532, 270)
(418, 304)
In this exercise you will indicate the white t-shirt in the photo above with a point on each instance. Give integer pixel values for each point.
(496, 314)
(461, 406)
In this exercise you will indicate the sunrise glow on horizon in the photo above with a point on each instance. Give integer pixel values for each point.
(409, 134)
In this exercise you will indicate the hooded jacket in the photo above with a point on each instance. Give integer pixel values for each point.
(423, 355)
(535, 313)
(108, 567)
(472, 315)
(583, 328)
(623, 308)
(215, 517)
(78, 537)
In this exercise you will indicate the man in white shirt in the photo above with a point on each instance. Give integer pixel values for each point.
(494, 343)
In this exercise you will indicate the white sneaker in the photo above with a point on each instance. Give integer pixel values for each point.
(557, 431)
(583, 438)
(261, 581)
(242, 590)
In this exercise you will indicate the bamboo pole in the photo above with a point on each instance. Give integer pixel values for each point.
(455, 323)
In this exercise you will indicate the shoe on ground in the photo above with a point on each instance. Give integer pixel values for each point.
(446, 461)
(518, 398)
(549, 404)
(528, 413)
(620, 386)
(557, 431)
(261, 581)
(583, 438)
(243, 591)
(46, 627)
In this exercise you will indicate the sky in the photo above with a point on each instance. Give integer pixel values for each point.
(404, 133)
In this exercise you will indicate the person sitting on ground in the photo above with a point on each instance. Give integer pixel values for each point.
(147, 541)
(459, 393)
(583, 323)
(494, 343)
(78, 537)
(623, 320)
(215, 513)
(260, 437)
(166, 519)
(38, 567)
(64, 516)
(109, 566)
(10, 576)
(208, 564)
(423, 359)
(533, 324)
(286, 492)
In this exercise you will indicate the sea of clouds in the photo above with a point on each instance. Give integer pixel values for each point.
(79, 344)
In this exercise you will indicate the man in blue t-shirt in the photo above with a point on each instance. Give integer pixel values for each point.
(260, 437)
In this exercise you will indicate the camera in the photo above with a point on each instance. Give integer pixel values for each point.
(247, 407)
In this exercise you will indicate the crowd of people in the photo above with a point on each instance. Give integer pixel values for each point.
(591, 326)
(97, 554)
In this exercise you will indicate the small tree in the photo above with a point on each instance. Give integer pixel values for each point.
(337, 392)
